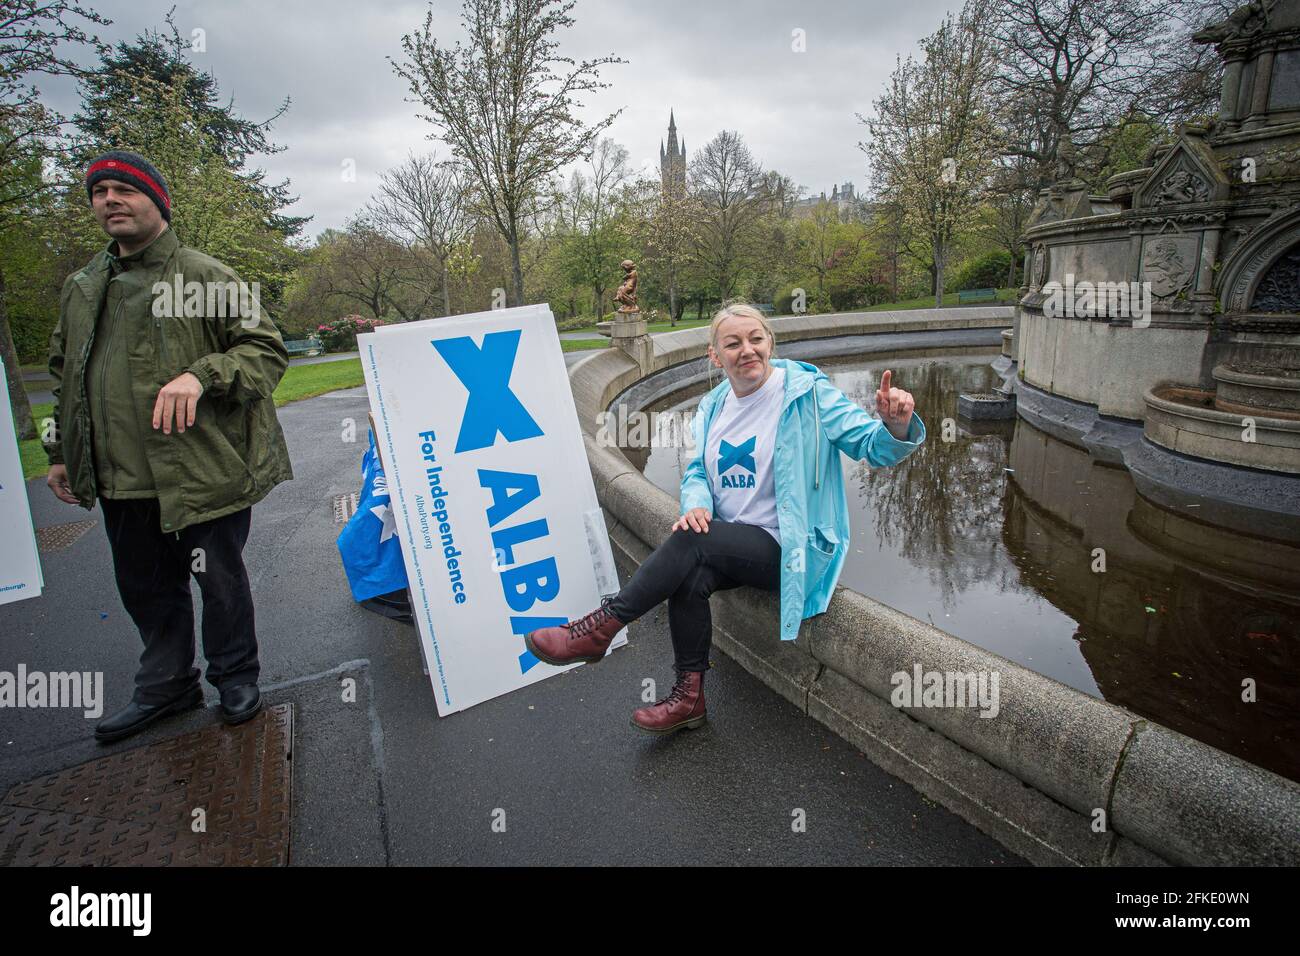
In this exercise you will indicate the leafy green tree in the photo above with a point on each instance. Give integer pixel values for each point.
(214, 208)
(825, 249)
(932, 139)
(666, 222)
(32, 36)
(163, 58)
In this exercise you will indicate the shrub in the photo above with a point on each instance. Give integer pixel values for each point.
(988, 271)
(340, 335)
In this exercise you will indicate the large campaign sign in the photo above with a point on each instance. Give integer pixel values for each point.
(20, 564)
(491, 493)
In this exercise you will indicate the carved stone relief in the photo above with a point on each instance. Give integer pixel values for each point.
(1169, 263)
(1040, 265)
(1181, 186)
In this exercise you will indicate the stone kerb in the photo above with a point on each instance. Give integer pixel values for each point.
(1037, 775)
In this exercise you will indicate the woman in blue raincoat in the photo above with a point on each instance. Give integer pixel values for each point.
(762, 503)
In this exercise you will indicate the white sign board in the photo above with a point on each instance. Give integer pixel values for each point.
(20, 564)
(491, 492)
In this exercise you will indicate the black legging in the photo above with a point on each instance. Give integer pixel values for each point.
(686, 569)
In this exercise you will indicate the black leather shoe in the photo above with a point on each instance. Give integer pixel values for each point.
(241, 703)
(135, 717)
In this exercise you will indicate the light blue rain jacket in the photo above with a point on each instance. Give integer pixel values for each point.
(812, 509)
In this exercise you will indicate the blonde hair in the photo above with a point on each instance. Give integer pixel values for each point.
(740, 308)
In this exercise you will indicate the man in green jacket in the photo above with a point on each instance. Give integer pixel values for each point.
(163, 371)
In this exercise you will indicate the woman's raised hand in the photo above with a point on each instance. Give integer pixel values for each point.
(895, 407)
(697, 518)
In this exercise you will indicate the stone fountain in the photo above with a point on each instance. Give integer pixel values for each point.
(1160, 324)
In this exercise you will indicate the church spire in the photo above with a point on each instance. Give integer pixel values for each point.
(672, 158)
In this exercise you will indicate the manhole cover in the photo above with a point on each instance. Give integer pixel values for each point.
(345, 506)
(60, 536)
(138, 808)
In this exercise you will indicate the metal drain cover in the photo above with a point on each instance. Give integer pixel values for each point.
(137, 808)
(345, 506)
(60, 536)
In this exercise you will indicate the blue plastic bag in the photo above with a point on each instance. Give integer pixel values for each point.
(369, 544)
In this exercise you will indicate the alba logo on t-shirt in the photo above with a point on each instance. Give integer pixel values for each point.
(737, 456)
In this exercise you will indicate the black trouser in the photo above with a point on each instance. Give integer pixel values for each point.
(686, 569)
(153, 577)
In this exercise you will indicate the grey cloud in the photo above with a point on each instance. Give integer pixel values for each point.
(717, 65)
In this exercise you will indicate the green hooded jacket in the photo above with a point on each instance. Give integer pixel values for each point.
(234, 453)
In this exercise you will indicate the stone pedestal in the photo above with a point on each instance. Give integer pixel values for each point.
(629, 334)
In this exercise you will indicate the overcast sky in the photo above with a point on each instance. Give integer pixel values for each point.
(717, 65)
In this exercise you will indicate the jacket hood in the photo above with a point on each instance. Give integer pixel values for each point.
(799, 378)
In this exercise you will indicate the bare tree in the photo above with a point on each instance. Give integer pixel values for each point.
(365, 266)
(424, 203)
(499, 106)
(1068, 68)
(728, 184)
(1191, 74)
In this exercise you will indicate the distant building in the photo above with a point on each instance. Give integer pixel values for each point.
(672, 162)
(845, 199)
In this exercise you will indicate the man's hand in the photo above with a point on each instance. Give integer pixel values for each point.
(180, 396)
(697, 518)
(895, 407)
(58, 482)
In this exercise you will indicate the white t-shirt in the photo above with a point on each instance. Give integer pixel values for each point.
(738, 455)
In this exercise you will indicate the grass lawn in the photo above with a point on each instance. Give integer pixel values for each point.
(31, 452)
(650, 327)
(1006, 296)
(308, 381)
(582, 345)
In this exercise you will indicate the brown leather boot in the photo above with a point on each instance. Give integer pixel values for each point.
(586, 639)
(683, 707)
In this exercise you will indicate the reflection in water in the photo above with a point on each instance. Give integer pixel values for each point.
(999, 536)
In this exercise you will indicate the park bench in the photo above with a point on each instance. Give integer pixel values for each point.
(977, 295)
(308, 346)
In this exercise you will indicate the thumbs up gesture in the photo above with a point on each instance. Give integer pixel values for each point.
(895, 407)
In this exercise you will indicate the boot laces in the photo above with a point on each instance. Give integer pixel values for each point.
(589, 622)
(680, 689)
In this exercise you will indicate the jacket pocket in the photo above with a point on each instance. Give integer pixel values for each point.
(212, 471)
(823, 545)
